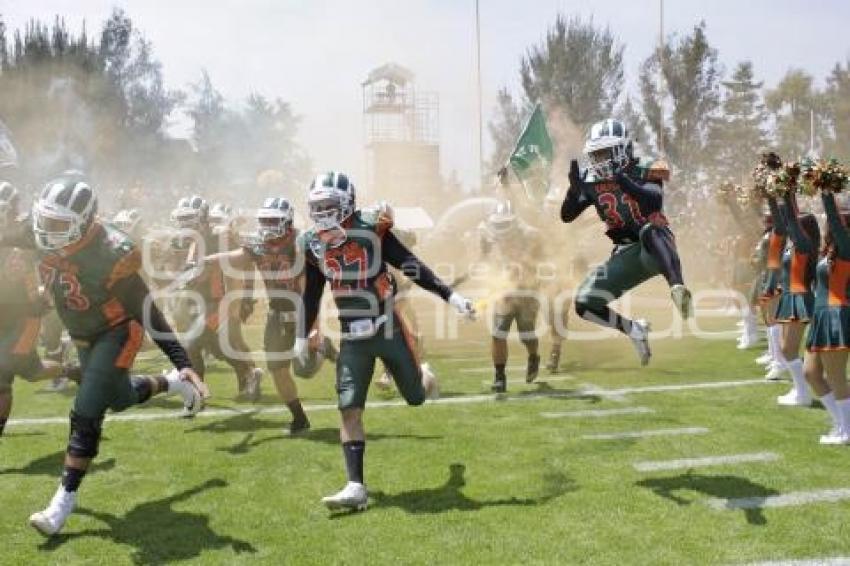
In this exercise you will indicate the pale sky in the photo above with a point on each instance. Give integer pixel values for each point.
(315, 53)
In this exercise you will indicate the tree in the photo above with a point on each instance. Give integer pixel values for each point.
(738, 134)
(792, 105)
(578, 70)
(837, 102)
(71, 102)
(691, 75)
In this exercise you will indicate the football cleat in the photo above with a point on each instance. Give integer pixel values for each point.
(639, 335)
(251, 390)
(794, 399)
(385, 382)
(51, 520)
(682, 299)
(299, 425)
(554, 362)
(352, 496)
(775, 371)
(500, 384)
(532, 368)
(748, 341)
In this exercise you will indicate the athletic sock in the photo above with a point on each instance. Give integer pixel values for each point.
(831, 406)
(843, 414)
(297, 410)
(796, 368)
(500, 370)
(353, 450)
(776, 336)
(770, 348)
(72, 478)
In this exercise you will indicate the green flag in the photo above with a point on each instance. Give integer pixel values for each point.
(532, 157)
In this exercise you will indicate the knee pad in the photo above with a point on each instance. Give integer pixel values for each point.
(84, 439)
(143, 388)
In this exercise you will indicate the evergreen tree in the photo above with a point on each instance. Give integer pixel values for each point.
(837, 100)
(792, 104)
(738, 134)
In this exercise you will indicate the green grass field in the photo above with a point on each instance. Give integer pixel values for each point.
(468, 480)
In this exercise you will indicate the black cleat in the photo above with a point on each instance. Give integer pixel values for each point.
(299, 426)
(500, 384)
(533, 368)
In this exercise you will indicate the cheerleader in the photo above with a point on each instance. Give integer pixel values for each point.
(829, 332)
(796, 302)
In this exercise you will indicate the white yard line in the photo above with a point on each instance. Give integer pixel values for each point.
(685, 463)
(832, 561)
(647, 433)
(599, 412)
(464, 399)
(538, 381)
(791, 499)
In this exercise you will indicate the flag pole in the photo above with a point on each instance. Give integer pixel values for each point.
(478, 84)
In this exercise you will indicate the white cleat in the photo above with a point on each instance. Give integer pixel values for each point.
(352, 496)
(794, 399)
(775, 372)
(764, 359)
(682, 299)
(385, 382)
(835, 437)
(430, 382)
(51, 520)
(639, 336)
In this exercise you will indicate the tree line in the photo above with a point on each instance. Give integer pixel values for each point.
(712, 124)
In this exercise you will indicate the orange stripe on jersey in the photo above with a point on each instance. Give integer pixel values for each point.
(113, 311)
(774, 251)
(131, 347)
(29, 337)
(384, 224)
(213, 321)
(839, 278)
(799, 266)
(216, 281)
(125, 267)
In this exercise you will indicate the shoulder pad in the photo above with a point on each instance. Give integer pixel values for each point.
(655, 170)
(378, 218)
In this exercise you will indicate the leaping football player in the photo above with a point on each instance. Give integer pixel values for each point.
(350, 249)
(628, 197)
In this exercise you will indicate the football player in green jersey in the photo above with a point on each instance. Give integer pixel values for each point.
(350, 249)
(91, 270)
(627, 196)
(518, 249)
(21, 306)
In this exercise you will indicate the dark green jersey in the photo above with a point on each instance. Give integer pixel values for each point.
(276, 261)
(81, 279)
(355, 268)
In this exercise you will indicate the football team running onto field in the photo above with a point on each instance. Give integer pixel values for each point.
(91, 273)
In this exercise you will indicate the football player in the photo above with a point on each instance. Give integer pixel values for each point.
(627, 196)
(350, 249)
(91, 270)
(192, 217)
(517, 248)
(22, 306)
(273, 254)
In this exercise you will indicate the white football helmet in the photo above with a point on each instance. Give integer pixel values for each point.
(128, 220)
(608, 147)
(220, 214)
(274, 218)
(502, 220)
(9, 202)
(191, 213)
(63, 212)
(331, 200)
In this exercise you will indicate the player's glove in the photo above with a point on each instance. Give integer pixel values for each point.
(462, 305)
(299, 350)
(188, 375)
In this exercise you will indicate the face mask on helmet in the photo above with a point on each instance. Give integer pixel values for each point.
(54, 230)
(186, 219)
(273, 228)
